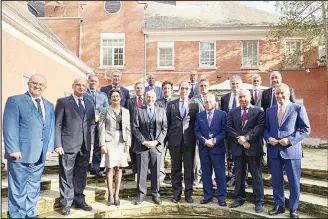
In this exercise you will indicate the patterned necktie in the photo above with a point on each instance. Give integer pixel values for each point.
(183, 111)
(81, 108)
(280, 114)
(209, 119)
(39, 107)
(274, 101)
(139, 102)
(93, 96)
(151, 114)
(234, 102)
(256, 95)
(244, 116)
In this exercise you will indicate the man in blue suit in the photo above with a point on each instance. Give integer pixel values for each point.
(210, 131)
(151, 86)
(28, 130)
(287, 124)
(116, 79)
(100, 101)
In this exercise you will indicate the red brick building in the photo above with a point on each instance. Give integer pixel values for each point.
(170, 39)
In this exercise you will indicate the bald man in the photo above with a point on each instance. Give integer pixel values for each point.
(28, 131)
(75, 126)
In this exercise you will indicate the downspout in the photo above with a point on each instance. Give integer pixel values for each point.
(145, 58)
(80, 41)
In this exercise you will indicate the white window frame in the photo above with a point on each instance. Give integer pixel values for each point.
(301, 56)
(105, 36)
(165, 45)
(257, 55)
(199, 55)
(24, 83)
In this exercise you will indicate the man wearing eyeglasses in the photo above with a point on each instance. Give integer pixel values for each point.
(256, 91)
(181, 116)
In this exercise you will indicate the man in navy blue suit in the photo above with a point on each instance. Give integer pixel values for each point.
(151, 86)
(116, 76)
(287, 124)
(210, 131)
(28, 131)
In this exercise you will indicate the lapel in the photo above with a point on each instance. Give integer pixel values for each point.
(145, 114)
(47, 110)
(28, 99)
(205, 118)
(87, 107)
(275, 114)
(286, 114)
(238, 114)
(214, 117)
(226, 102)
(157, 113)
(177, 109)
(73, 103)
(111, 113)
(249, 113)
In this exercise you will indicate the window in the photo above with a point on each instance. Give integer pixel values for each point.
(250, 54)
(293, 52)
(25, 81)
(165, 55)
(112, 49)
(112, 7)
(207, 54)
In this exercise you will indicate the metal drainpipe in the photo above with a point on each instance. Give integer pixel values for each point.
(145, 61)
(80, 41)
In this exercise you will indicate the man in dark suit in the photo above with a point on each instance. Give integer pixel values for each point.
(116, 79)
(74, 139)
(149, 129)
(167, 88)
(28, 131)
(245, 132)
(228, 102)
(269, 100)
(210, 130)
(100, 101)
(181, 116)
(287, 124)
(151, 86)
(132, 105)
(192, 82)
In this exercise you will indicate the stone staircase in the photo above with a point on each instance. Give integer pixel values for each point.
(313, 199)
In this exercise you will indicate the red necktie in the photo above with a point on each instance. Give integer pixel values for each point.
(243, 117)
(139, 102)
(256, 95)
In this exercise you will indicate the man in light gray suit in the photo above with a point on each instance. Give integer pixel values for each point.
(100, 101)
(256, 91)
(149, 129)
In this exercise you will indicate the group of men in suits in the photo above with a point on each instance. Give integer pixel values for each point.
(30, 121)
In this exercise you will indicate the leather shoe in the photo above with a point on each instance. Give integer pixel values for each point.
(223, 203)
(236, 204)
(231, 182)
(65, 211)
(138, 201)
(84, 206)
(277, 210)
(176, 200)
(205, 201)
(189, 200)
(293, 214)
(157, 201)
(259, 208)
(117, 202)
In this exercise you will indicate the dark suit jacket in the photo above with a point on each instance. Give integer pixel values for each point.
(124, 91)
(267, 95)
(132, 105)
(101, 100)
(141, 128)
(71, 129)
(217, 129)
(179, 128)
(225, 102)
(259, 98)
(252, 130)
(158, 91)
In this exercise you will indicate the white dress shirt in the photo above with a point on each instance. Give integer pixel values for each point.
(77, 100)
(231, 100)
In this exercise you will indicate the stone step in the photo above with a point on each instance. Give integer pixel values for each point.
(49, 200)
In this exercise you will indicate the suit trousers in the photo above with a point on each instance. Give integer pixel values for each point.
(293, 170)
(73, 169)
(182, 154)
(133, 156)
(197, 164)
(210, 161)
(254, 165)
(230, 163)
(150, 158)
(96, 156)
(162, 167)
(24, 182)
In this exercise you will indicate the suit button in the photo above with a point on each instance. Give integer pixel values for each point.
(41, 139)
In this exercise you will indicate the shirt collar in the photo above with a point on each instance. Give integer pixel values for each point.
(33, 98)
(186, 100)
(77, 98)
(283, 106)
(212, 111)
(152, 107)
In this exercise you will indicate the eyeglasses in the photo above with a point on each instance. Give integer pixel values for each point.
(37, 84)
(185, 88)
(256, 81)
(80, 85)
(203, 85)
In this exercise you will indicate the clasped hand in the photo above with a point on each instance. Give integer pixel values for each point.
(150, 144)
(210, 142)
(282, 142)
(243, 141)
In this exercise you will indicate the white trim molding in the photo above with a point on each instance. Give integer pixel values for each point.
(112, 36)
(165, 45)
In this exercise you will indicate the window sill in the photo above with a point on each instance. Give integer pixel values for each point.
(207, 67)
(249, 68)
(111, 67)
(165, 68)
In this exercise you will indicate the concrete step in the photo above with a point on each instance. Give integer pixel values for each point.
(49, 200)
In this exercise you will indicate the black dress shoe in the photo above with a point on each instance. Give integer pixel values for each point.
(259, 208)
(223, 203)
(189, 200)
(205, 201)
(293, 214)
(277, 210)
(138, 201)
(117, 202)
(157, 201)
(176, 200)
(65, 211)
(236, 204)
(110, 201)
(84, 206)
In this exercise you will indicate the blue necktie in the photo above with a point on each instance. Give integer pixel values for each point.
(151, 114)
(274, 101)
(39, 107)
(183, 111)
